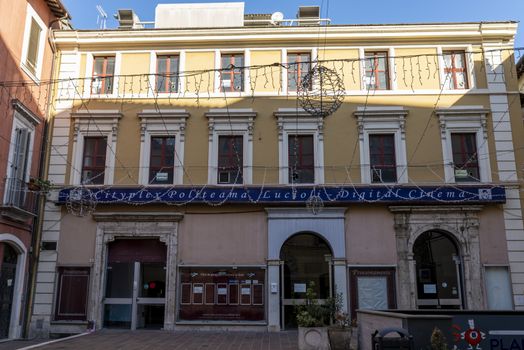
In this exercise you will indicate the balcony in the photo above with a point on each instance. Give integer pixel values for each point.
(19, 201)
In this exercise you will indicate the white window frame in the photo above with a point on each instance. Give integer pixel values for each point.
(464, 119)
(23, 118)
(94, 123)
(162, 122)
(284, 75)
(391, 68)
(468, 57)
(292, 121)
(247, 78)
(382, 120)
(31, 14)
(231, 122)
(90, 59)
(153, 67)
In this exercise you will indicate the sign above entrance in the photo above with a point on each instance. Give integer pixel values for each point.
(287, 194)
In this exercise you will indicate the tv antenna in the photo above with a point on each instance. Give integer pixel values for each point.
(102, 17)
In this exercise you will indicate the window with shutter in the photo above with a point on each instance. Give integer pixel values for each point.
(19, 162)
(33, 46)
(33, 42)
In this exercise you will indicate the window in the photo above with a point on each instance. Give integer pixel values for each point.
(455, 71)
(232, 72)
(162, 156)
(162, 160)
(464, 147)
(167, 69)
(230, 153)
(382, 158)
(382, 144)
(465, 144)
(33, 44)
(15, 184)
(377, 71)
(299, 67)
(300, 147)
(230, 159)
(20, 154)
(301, 159)
(103, 75)
(94, 160)
(71, 302)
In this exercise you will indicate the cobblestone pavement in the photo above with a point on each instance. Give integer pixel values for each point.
(186, 340)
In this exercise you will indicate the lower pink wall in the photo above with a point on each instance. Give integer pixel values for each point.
(493, 245)
(370, 236)
(228, 239)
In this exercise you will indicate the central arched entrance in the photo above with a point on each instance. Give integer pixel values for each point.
(306, 261)
(438, 271)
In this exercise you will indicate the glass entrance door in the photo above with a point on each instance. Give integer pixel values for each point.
(135, 295)
(306, 263)
(438, 272)
(135, 285)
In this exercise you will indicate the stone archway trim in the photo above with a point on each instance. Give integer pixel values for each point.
(462, 223)
(161, 225)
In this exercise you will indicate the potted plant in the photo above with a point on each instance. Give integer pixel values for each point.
(341, 330)
(313, 319)
(39, 185)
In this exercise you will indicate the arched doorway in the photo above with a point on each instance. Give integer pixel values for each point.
(306, 261)
(8, 264)
(438, 271)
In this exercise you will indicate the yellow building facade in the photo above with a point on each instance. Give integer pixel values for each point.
(196, 188)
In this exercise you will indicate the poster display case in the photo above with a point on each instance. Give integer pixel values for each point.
(222, 294)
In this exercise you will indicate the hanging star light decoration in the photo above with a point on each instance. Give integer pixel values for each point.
(81, 201)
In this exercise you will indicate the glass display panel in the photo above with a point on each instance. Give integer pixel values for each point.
(225, 294)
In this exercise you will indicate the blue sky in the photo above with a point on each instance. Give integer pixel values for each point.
(340, 11)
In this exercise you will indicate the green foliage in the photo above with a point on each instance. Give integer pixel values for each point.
(438, 340)
(311, 313)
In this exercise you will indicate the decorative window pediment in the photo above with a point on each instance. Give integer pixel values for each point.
(292, 121)
(164, 125)
(468, 123)
(94, 123)
(375, 121)
(231, 122)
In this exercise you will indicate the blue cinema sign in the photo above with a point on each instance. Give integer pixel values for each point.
(445, 194)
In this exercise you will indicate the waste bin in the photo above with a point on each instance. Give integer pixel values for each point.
(404, 340)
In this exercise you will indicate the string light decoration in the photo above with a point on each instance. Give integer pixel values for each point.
(315, 203)
(321, 92)
(322, 101)
(81, 201)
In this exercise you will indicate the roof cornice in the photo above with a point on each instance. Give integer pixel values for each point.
(502, 32)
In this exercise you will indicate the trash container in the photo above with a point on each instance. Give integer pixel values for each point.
(380, 341)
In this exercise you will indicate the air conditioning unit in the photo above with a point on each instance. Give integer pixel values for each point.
(309, 15)
(127, 19)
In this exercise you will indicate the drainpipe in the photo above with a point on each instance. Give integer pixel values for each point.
(42, 174)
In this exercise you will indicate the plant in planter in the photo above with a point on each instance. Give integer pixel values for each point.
(37, 184)
(341, 330)
(313, 319)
